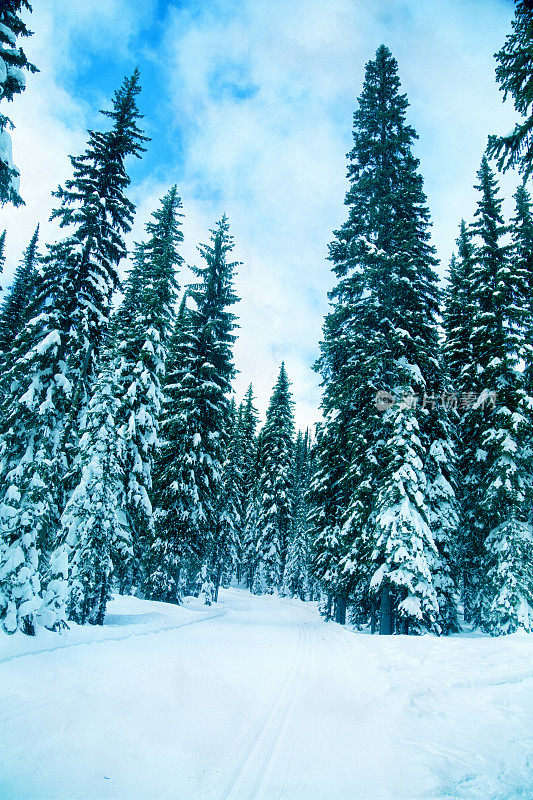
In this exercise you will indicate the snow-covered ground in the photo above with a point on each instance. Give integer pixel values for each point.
(256, 697)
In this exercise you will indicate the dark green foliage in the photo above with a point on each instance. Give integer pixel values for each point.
(296, 577)
(522, 258)
(142, 332)
(248, 467)
(17, 305)
(12, 82)
(380, 354)
(275, 489)
(53, 358)
(196, 423)
(495, 432)
(514, 73)
(458, 309)
(2, 251)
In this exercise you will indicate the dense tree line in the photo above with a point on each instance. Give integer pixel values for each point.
(421, 497)
(126, 463)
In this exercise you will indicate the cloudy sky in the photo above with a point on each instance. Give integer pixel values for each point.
(249, 107)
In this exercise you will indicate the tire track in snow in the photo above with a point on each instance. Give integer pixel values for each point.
(254, 766)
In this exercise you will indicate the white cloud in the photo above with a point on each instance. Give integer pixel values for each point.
(262, 96)
(277, 156)
(50, 122)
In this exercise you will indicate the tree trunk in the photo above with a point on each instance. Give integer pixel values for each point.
(403, 626)
(386, 622)
(102, 601)
(218, 576)
(176, 578)
(329, 605)
(126, 583)
(373, 615)
(340, 610)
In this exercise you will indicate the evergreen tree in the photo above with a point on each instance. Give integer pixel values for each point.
(94, 528)
(514, 73)
(328, 500)
(143, 330)
(522, 258)
(458, 309)
(230, 511)
(495, 430)
(196, 425)
(296, 574)
(247, 533)
(53, 356)
(380, 365)
(275, 484)
(15, 309)
(13, 64)
(2, 251)
(164, 575)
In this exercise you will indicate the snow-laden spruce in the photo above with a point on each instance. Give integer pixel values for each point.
(52, 365)
(95, 533)
(16, 307)
(275, 485)
(13, 68)
(380, 355)
(116, 472)
(496, 426)
(142, 331)
(247, 423)
(296, 574)
(195, 430)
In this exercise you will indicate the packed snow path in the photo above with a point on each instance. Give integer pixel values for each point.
(258, 698)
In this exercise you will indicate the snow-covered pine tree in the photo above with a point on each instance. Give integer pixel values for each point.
(495, 430)
(164, 571)
(94, 530)
(276, 503)
(230, 512)
(2, 250)
(458, 311)
(16, 308)
(13, 64)
(514, 73)
(142, 331)
(195, 425)
(52, 359)
(522, 257)
(381, 354)
(296, 573)
(340, 449)
(247, 533)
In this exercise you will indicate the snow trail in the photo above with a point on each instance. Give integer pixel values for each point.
(262, 701)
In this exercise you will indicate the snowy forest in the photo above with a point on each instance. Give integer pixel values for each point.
(128, 464)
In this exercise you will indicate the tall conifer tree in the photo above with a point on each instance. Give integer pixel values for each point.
(143, 331)
(2, 250)
(381, 367)
(296, 576)
(276, 503)
(458, 309)
(124, 412)
(13, 68)
(15, 309)
(248, 462)
(52, 360)
(514, 73)
(495, 429)
(196, 425)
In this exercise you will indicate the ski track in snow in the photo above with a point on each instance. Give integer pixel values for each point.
(262, 701)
